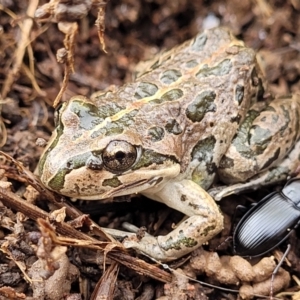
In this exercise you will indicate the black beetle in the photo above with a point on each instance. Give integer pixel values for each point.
(269, 222)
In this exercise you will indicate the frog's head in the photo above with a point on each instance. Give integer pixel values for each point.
(93, 155)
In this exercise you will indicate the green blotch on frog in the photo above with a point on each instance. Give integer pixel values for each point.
(75, 162)
(156, 133)
(191, 64)
(150, 157)
(203, 103)
(90, 115)
(178, 242)
(199, 42)
(223, 68)
(170, 95)
(118, 126)
(145, 89)
(207, 230)
(173, 127)
(112, 182)
(239, 93)
(170, 76)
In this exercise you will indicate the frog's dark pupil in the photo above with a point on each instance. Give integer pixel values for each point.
(120, 156)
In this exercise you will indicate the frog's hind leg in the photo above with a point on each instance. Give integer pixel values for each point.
(275, 174)
(265, 150)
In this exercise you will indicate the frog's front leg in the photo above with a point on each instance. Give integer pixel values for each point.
(204, 222)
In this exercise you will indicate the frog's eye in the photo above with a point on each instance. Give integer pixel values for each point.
(119, 156)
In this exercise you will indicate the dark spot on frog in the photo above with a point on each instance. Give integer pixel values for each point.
(76, 162)
(270, 108)
(199, 42)
(263, 119)
(202, 104)
(211, 168)
(203, 150)
(241, 139)
(260, 137)
(170, 76)
(239, 93)
(193, 205)
(145, 89)
(112, 182)
(226, 163)
(118, 126)
(171, 95)
(287, 117)
(87, 114)
(236, 119)
(150, 157)
(97, 133)
(173, 126)
(76, 136)
(156, 133)
(275, 118)
(203, 153)
(90, 115)
(183, 198)
(277, 172)
(271, 159)
(191, 64)
(181, 240)
(223, 68)
(69, 165)
(207, 230)
(77, 189)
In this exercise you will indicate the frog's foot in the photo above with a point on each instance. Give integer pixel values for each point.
(148, 246)
(187, 237)
(204, 222)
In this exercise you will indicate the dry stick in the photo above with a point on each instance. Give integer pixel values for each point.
(16, 203)
(106, 285)
(19, 54)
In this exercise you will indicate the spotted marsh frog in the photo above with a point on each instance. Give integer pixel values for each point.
(167, 134)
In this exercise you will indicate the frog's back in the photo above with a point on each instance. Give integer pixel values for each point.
(185, 107)
(190, 97)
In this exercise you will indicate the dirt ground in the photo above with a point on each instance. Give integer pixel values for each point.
(38, 261)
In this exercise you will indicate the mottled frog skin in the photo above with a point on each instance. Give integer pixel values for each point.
(167, 135)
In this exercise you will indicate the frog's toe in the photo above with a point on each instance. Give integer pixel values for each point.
(148, 246)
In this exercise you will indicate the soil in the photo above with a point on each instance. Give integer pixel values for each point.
(30, 80)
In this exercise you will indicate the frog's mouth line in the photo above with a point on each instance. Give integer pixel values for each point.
(128, 188)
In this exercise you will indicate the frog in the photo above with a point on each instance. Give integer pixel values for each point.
(192, 116)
